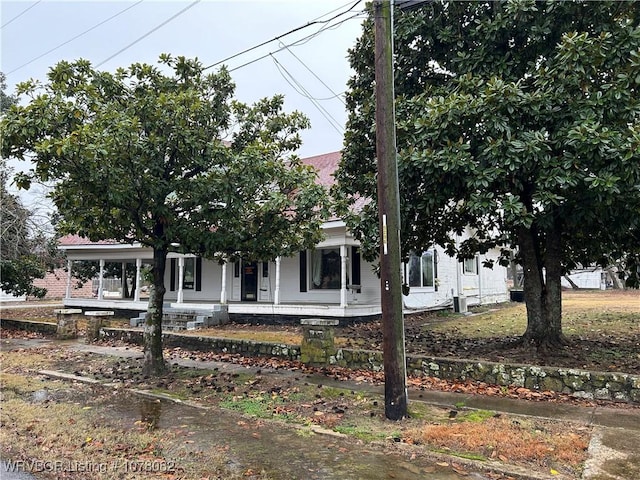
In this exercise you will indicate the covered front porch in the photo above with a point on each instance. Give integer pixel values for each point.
(235, 309)
(327, 281)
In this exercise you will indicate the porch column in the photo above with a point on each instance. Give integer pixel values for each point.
(479, 264)
(343, 276)
(123, 280)
(101, 281)
(136, 295)
(67, 293)
(276, 292)
(223, 290)
(180, 279)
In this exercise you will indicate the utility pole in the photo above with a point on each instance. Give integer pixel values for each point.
(395, 368)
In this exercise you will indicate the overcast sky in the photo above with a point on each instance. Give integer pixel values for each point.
(38, 34)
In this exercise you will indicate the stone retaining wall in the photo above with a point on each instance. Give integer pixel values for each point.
(579, 383)
(47, 328)
(210, 344)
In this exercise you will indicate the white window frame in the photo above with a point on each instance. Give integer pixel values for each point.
(324, 281)
(470, 266)
(426, 255)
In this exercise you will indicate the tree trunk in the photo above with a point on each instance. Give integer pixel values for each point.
(615, 280)
(571, 282)
(154, 364)
(542, 289)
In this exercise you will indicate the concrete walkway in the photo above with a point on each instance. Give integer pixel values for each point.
(614, 451)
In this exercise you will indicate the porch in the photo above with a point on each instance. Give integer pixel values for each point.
(239, 310)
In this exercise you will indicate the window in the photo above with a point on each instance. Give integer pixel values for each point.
(421, 270)
(325, 269)
(191, 274)
(188, 280)
(470, 266)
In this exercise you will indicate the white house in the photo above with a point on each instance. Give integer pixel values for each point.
(331, 280)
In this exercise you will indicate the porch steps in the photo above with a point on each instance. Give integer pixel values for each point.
(177, 319)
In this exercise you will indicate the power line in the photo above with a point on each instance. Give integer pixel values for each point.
(305, 93)
(21, 13)
(308, 24)
(314, 74)
(76, 37)
(294, 44)
(149, 32)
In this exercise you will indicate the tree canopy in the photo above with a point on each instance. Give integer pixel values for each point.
(24, 251)
(171, 161)
(517, 119)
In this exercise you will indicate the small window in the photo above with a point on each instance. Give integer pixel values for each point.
(470, 266)
(265, 269)
(325, 269)
(421, 271)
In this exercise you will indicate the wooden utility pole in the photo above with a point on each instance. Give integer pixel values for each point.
(395, 376)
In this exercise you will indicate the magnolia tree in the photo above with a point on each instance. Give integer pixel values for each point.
(26, 252)
(516, 119)
(168, 160)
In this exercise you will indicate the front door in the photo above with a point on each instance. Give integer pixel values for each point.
(249, 291)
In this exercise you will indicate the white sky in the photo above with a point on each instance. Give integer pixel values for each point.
(210, 30)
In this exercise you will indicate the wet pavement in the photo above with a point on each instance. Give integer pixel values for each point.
(614, 451)
(281, 453)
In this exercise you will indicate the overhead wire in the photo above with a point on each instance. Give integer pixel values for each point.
(287, 76)
(173, 17)
(301, 41)
(335, 95)
(76, 37)
(21, 13)
(278, 37)
(297, 86)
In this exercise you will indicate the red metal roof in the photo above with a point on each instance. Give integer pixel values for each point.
(326, 165)
(74, 240)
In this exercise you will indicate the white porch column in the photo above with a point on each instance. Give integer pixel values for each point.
(101, 281)
(136, 295)
(276, 292)
(223, 289)
(123, 280)
(343, 276)
(180, 279)
(67, 293)
(479, 264)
